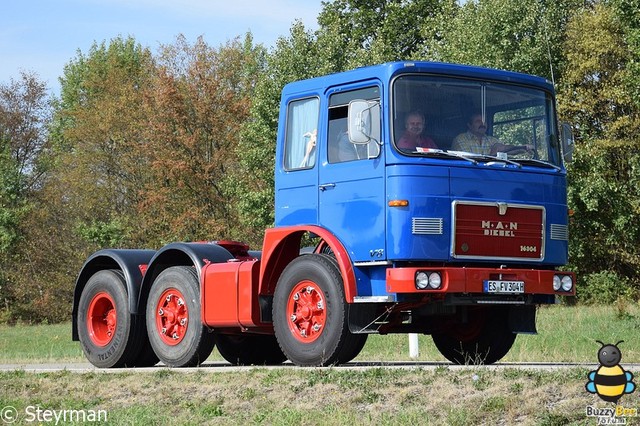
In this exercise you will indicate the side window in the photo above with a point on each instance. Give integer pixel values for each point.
(301, 134)
(340, 149)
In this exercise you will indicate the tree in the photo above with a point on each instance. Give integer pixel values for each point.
(517, 35)
(597, 94)
(199, 99)
(24, 115)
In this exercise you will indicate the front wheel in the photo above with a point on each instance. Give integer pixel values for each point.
(309, 312)
(176, 332)
(484, 339)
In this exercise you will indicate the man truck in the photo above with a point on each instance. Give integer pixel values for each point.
(370, 236)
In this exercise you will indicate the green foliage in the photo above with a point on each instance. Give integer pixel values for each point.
(103, 234)
(605, 287)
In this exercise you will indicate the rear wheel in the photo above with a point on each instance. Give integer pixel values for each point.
(109, 335)
(484, 339)
(250, 349)
(176, 332)
(309, 312)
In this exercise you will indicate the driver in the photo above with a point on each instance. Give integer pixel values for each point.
(476, 140)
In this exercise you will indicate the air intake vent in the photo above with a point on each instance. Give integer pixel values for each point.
(559, 232)
(426, 226)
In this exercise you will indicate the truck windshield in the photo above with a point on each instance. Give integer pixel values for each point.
(480, 120)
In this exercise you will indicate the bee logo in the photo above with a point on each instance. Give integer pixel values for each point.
(610, 381)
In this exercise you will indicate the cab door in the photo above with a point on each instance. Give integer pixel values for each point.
(351, 183)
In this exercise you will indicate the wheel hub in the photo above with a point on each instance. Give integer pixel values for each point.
(172, 317)
(102, 319)
(306, 311)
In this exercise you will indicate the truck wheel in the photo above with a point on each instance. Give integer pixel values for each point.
(484, 339)
(176, 332)
(108, 333)
(352, 347)
(309, 311)
(250, 349)
(147, 357)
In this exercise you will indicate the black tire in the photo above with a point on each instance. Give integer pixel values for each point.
(147, 357)
(354, 343)
(352, 347)
(485, 339)
(250, 349)
(174, 297)
(314, 338)
(108, 333)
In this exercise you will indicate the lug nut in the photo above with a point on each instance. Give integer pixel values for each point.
(175, 336)
(293, 317)
(180, 302)
(183, 321)
(164, 330)
(316, 327)
(161, 312)
(168, 298)
(296, 296)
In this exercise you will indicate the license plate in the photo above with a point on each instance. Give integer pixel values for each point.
(503, 287)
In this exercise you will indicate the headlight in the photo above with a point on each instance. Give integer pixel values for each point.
(428, 280)
(567, 283)
(557, 283)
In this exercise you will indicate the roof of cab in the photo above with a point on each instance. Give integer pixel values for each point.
(389, 70)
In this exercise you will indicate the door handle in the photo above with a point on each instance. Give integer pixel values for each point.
(325, 186)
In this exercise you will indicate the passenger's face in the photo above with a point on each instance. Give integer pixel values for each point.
(415, 124)
(477, 126)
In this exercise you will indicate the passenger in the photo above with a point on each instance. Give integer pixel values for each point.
(412, 137)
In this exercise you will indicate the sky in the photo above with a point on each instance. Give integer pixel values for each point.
(42, 36)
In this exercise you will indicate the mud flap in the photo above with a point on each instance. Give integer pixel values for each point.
(522, 319)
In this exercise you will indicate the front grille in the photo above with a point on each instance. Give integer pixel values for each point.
(486, 230)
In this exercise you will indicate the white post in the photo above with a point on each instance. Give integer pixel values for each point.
(414, 351)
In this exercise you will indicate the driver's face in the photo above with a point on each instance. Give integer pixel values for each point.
(477, 126)
(415, 124)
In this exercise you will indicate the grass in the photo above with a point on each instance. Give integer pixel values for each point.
(306, 396)
(565, 334)
(335, 396)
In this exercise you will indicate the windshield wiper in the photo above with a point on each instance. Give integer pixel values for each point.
(483, 157)
(529, 161)
(447, 154)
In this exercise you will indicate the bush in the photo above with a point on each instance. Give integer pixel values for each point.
(605, 287)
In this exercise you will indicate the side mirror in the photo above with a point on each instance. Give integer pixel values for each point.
(568, 142)
(361, 118)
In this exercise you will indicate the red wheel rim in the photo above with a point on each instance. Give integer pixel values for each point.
(172, 317)
(102, 319)
(306, 312)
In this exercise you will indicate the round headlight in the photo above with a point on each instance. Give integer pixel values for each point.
(435, 281)
(567, 283)
(557, 283)
(422, 280)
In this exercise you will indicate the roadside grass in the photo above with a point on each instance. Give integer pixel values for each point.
(566, 334)
(473, 395)
(309, 396)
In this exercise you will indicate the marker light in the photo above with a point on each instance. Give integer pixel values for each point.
(398, 203)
